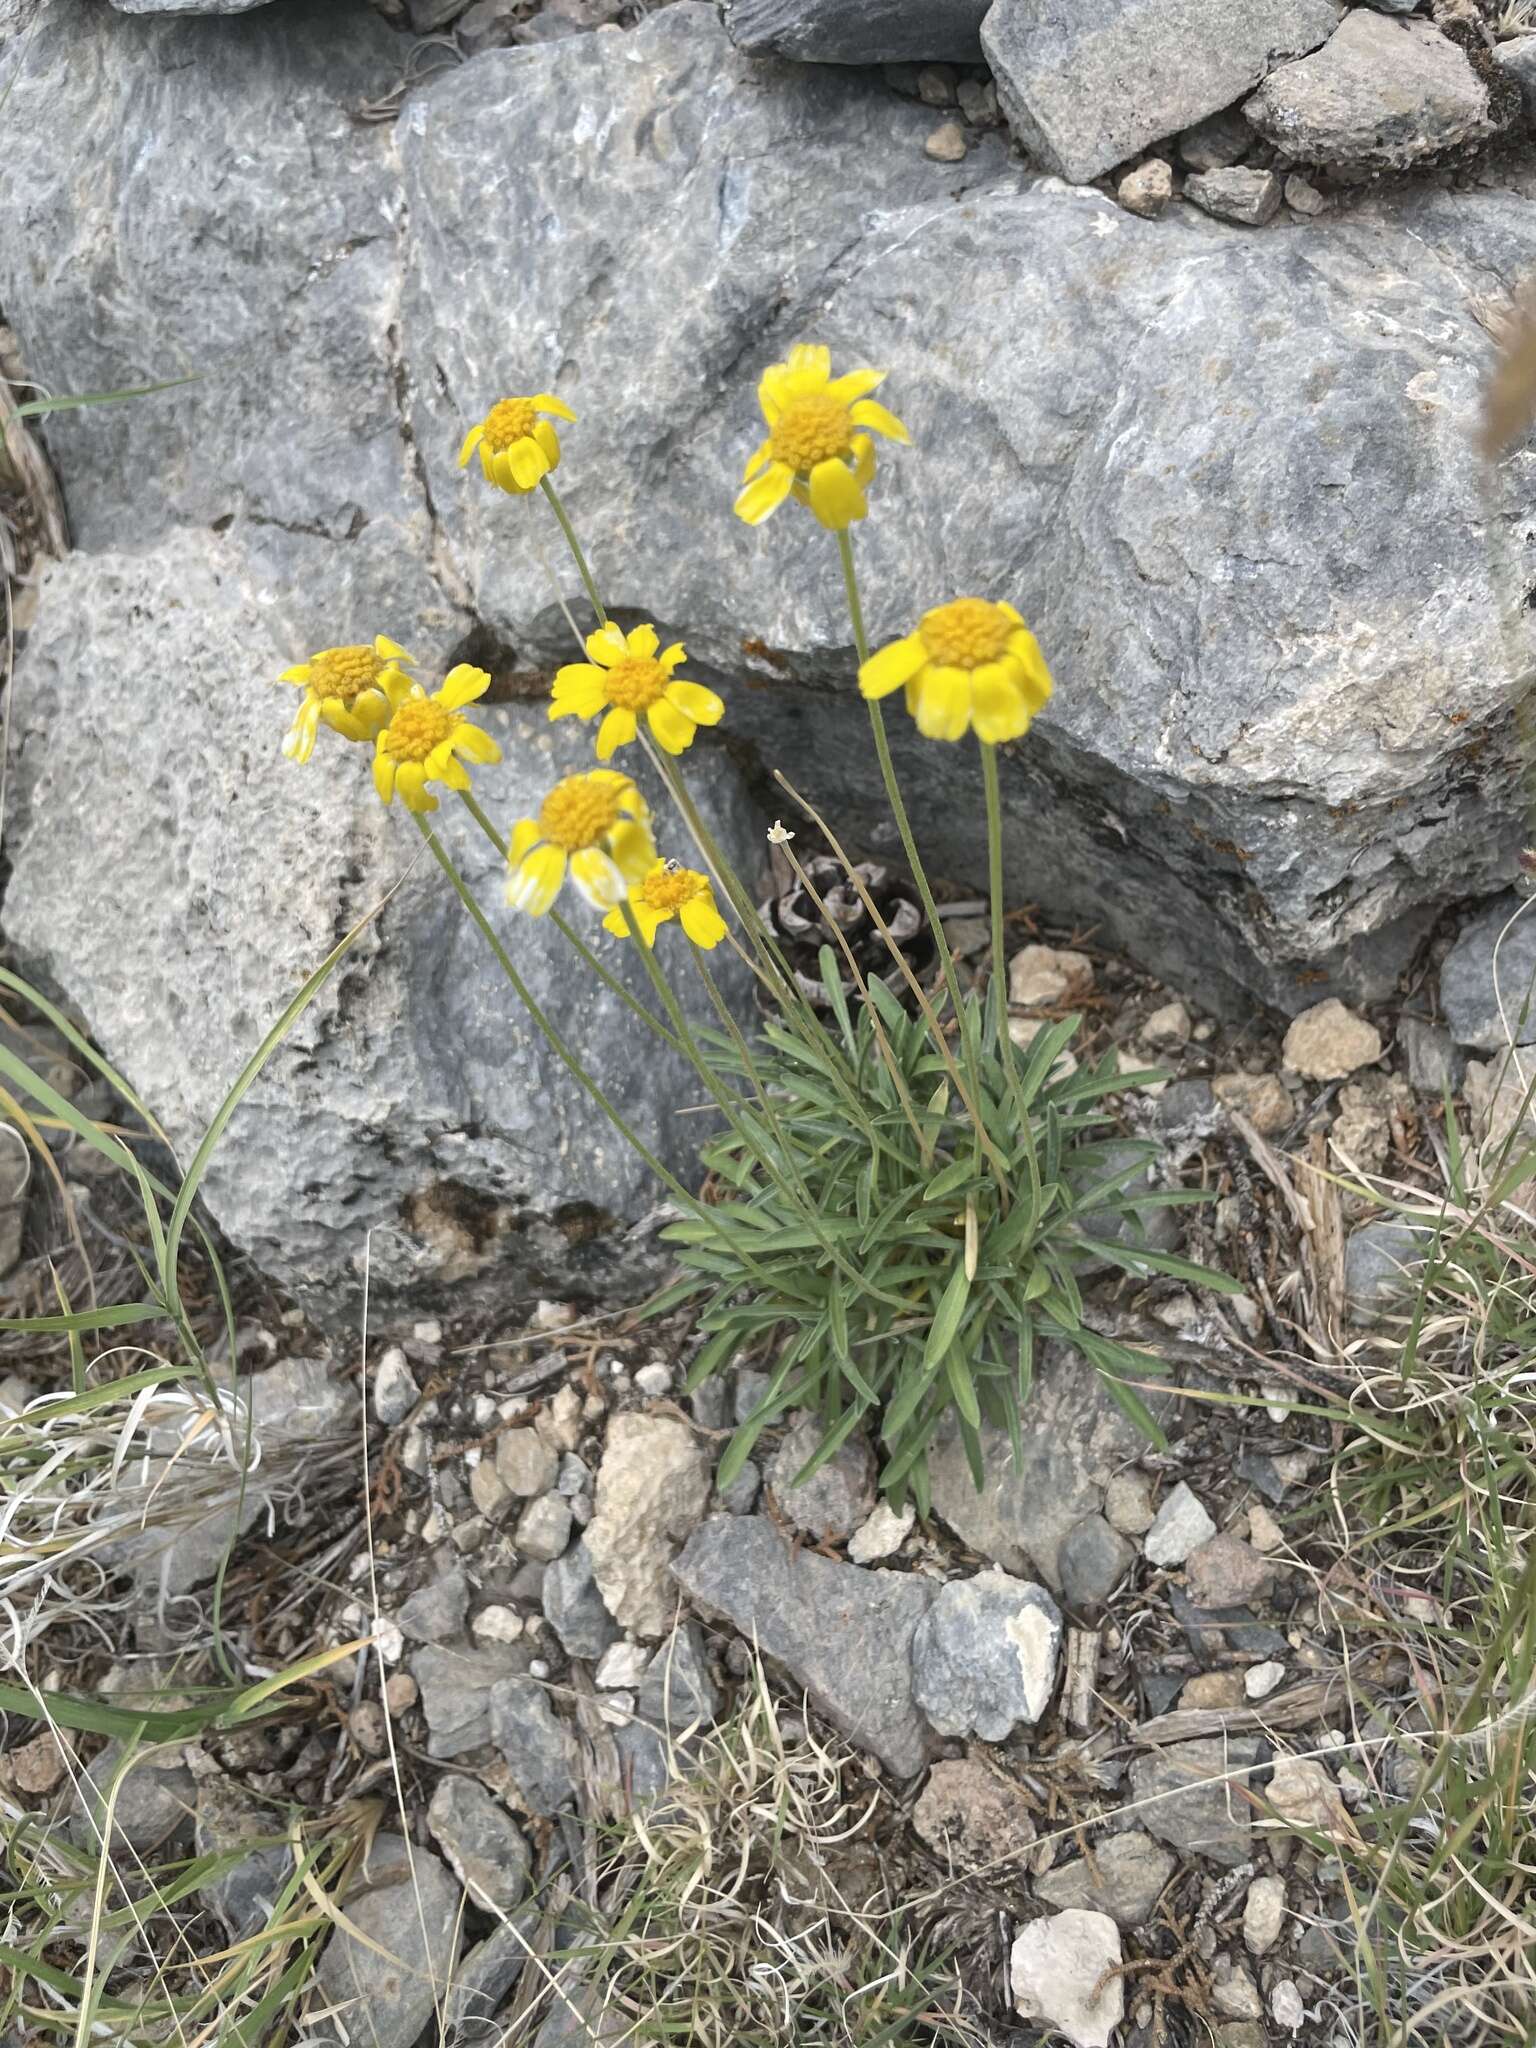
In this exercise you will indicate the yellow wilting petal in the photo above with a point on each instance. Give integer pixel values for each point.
(299, 743)
(634, 849)
(756, 459)
(472, 441)
(336, 715)
(671, 728)
(525, 834)
(298, 674)
(702, 923)
(597, 876)
(527, 462)
(462, 685)
(766, 495)
(411, 782)
(869, 412)
(549, 442)
(535, 882)
(616, 730)
(579, 691)
(836, 498)
(864, 459)
(695, 702)
(643, 642)
(1035, 679)
(811, 358)
(943, 703)
(387, 649)
(451, 774)
(384, 776)
(998, 709)
(892, 666)
(547, 402)
(614, 922)
(672, 655)
(606, 645)
(475, 745)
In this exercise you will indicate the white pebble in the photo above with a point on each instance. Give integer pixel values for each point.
(497, 1625)
(1260, 1680)
(653, 1381)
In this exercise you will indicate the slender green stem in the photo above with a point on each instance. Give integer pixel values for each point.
(914, 858)
(995, 890)
(893, 787)
(1005, 1047)
(574, 939)
(575, 547)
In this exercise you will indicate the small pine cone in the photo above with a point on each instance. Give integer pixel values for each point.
(800, 930)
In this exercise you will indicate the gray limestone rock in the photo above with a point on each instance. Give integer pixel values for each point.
(1383, 1268)
(1091, 1561)
(1074, 1440)
(187, 6)
(1519, 60)
(1484, 1010)
(1087, 86)
(574, 1608)
(1248, 196)
(153, 1805)
(458, 1688)
(677, 1691)
(1434, 1064)
(537, 1750)
(843, 1633)
(414, 1093)
(1379, 94)
(386, 1988)
(859, 31)
(1124, 1880)
(482, 1843)
(245, 1894)
(435, 1613)
(1194, 1794)
(984, 1656)
(837, 1497)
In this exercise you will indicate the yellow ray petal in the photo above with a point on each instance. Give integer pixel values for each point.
(607, 646)
(597, 876)
(462, 685)
(472, 441)
(547, 402)
(869, 412)
(836, 498)
(616, 730)
(535, 882)
(525, 835)
(766, 495)
(998, 709)
(892, 666)
(579, 689)
(702, 922)
(643, 642)
(670, 728)
(695, 702)
(943, 703)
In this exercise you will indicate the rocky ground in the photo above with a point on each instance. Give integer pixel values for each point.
(1104, 1752)
(1112, 1716)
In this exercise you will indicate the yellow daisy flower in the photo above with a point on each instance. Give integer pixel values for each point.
(517, 448)
(627, 676)
(969, 663)
(423, 740)
(670, 890)
(814, 450)
(353, 690)
(598, 826)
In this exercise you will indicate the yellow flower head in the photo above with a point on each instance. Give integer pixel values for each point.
(815, 450)
(969, 663)
(627, 676)
(596, 824)
(353, 690)
(423, 741)
(670, 890)
(516, 446)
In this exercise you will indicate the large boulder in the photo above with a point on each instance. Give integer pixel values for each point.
(180, 880)
(1086, 86)
(1225, 475)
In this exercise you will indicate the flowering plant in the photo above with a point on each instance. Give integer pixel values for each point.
(903, 1202)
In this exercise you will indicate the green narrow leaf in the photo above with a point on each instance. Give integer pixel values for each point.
(947, 1317)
